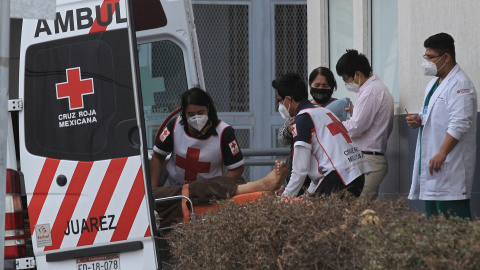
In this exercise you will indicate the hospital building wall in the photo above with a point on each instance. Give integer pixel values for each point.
(417, 20)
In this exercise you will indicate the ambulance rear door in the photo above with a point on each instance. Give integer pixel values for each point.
(169, 58)
(81, 148)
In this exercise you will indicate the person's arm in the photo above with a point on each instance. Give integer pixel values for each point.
(300, 167)
(461, 105)
(302, 153)
(447, 146)
(235, 173)
(162, 148)
(232, 154)
(156, 166)
(366, 107)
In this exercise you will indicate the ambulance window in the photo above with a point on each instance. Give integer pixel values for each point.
(163, 80)
(148, 14)
(79, 100)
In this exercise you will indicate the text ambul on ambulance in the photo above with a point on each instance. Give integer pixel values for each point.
(82, 150)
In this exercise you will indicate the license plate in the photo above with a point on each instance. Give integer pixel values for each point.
(103, 262)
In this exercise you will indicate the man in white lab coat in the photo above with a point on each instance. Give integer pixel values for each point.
(445, 155)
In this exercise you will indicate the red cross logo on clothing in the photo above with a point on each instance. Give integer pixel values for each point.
(337, 127)
(164, 134)
(74, 88)
(191, 164)
(234, 147)
(294, 130)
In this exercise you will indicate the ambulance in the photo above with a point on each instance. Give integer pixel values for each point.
(92, 88)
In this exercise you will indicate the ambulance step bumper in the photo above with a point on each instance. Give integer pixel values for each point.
(94, 251)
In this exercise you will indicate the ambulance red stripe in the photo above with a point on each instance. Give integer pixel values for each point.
(103, 197)
(130, 210)
(103, 11)
(148, 233)
(40, 192)
(69, 203)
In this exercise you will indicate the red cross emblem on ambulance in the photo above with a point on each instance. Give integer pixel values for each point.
(74, 88)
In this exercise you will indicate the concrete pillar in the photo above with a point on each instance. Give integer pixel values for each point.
(317, 29)
(361, 27)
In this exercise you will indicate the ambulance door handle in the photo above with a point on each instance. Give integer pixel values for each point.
(61, 180)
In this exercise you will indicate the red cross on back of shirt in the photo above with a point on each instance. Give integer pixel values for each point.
(337, 127)
(74, 88)
(191, 164)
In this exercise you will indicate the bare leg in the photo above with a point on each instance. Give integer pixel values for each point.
(271, 182)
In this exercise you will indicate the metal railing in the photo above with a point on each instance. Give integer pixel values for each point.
(273, 152)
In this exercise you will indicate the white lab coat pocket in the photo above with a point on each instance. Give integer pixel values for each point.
(440, 182)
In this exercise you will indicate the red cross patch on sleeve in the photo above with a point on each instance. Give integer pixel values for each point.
(164, 134)
(294, 130)
(234, 147)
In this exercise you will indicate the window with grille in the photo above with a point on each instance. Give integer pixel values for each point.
(163, 81)
(222, 32)
(291, 40)
(243, 140)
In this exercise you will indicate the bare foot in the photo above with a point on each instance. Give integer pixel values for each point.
(271, 182)
(274, 179)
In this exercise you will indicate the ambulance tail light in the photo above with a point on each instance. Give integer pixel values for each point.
(14, 225)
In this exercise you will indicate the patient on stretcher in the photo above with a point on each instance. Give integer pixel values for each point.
(206, 191)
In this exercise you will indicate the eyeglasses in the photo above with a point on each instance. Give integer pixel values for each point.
(280, 100)
(430, 58)
(345, 79)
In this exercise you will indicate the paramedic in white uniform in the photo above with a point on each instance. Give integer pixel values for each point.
(444, 166)
(322, 148)
(201, 145)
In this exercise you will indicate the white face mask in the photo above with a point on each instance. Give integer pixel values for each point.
(353, 87)
(429, 68)
(198, 121)
(283, 110)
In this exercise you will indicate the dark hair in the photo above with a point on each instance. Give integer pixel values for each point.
(441, 43)
(324, 71)
(197, 96)
(291, 84)
(352, 61)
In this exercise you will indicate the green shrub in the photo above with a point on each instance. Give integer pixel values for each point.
(324, 233)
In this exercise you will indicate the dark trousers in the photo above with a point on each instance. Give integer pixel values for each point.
(333, 183)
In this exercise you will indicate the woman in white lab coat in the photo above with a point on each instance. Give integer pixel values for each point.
(446, 146)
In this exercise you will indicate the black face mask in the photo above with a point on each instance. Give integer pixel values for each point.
(321, 95)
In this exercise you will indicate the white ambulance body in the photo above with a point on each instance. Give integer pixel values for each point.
(82, 133)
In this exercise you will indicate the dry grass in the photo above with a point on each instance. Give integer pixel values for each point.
(324, 233)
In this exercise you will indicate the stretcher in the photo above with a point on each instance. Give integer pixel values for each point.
(191, 212)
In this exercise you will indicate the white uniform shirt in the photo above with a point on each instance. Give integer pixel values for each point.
(322, 149)
(453, 109)
(372, 119)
